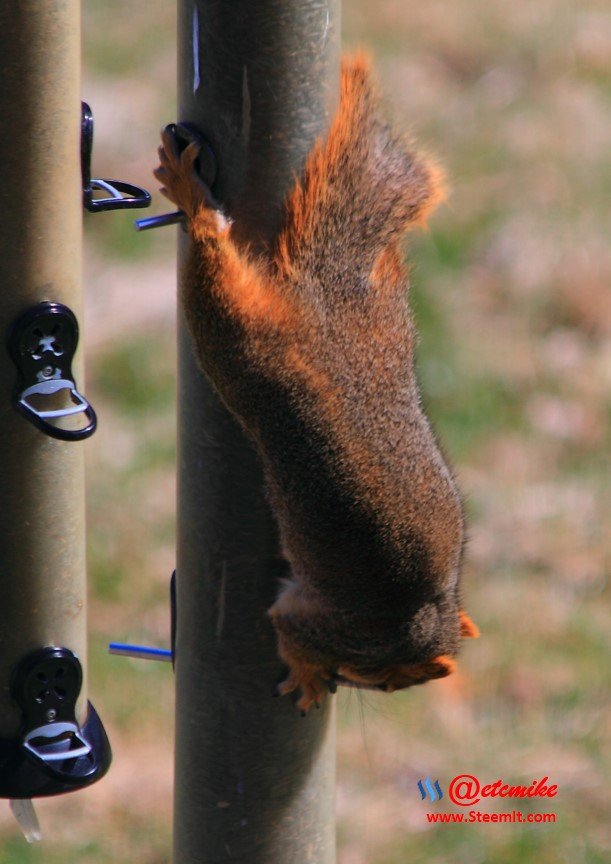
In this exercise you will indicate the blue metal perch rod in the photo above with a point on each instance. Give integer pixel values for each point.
(140, 652)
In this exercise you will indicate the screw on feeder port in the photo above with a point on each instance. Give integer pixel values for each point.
(53, 752)
(42, 342)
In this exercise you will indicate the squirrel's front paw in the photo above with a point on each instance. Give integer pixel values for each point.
(308, 674)
(310, 679)
(179, 178)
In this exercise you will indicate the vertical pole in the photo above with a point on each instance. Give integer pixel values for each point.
(254, 780)
(42, 532)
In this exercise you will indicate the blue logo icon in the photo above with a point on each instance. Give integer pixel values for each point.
(427, 788)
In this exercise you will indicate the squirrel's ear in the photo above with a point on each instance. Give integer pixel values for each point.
(468, 630)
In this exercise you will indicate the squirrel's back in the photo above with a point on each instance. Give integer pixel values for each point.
(311, 347)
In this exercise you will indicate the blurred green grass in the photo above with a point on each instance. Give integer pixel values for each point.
(508, 290)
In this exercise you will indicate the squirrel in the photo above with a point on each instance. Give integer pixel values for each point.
(310, 346)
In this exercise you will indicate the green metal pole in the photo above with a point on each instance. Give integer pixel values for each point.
(254, 780)
(42, 531)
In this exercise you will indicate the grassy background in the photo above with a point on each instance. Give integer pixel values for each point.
(509, 293)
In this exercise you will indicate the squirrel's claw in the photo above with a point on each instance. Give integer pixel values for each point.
(178, 175)
(170, 141)
(312, 682)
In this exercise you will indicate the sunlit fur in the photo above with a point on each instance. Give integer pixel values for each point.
(311, 347)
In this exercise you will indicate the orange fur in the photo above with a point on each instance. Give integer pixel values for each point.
(311, 679)
(406, 675)
(326, 161)
(388, 270)
(240, 281)
(438, 192)
(317, 380)
(309, 194)
(311, 345)
(468, 630)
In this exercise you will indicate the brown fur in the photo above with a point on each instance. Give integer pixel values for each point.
(311, 347)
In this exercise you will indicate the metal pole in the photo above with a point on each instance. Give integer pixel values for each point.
(42, 531)
(254, 780)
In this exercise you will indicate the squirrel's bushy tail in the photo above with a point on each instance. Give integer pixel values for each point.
(361, 185)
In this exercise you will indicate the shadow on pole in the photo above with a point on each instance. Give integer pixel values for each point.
(254, 780)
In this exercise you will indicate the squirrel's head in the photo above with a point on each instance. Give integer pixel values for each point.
(393, 676)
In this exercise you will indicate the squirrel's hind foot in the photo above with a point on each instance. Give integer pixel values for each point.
(180, 180)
